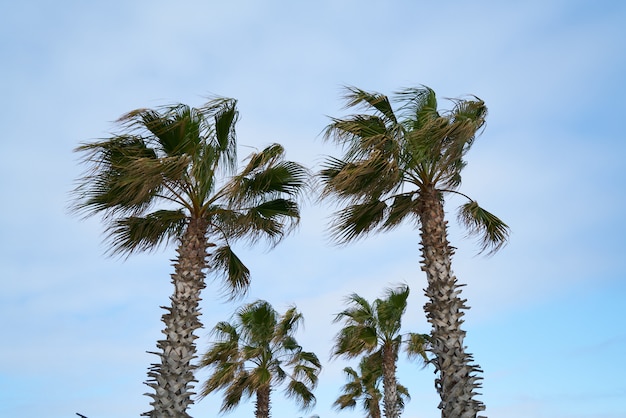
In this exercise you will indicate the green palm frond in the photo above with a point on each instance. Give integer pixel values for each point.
(288, 325)
(362, 386)
(391, 309)
(267, 175)
(134, 233)
(301, 393)
(416, 346)
(235, 275)
(403, 206)
(491, 231)
(359, 312)
(357, 97)
(115, 183)
(270, 219)
(238, 388)
(354, 340)
(346, 401)
(307, 368)
(225, 119)
(358, 220)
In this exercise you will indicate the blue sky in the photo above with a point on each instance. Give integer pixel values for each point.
(546, 323)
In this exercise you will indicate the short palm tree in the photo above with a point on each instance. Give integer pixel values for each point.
(170, 176)
(364, 386)
(256, 353)
(374, 330)
(398, 165)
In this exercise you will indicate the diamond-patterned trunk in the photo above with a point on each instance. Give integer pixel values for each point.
(263, 402)
(172, 379)
(457, 378)
(390, 400)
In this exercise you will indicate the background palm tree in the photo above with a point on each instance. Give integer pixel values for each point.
(399, 167)
(374, 329)
(255, 354)
(364, 386)
(171, 176)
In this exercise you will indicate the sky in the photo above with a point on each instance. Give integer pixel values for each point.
(546, 322)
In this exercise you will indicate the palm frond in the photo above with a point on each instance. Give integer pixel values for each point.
(115, 182)
(221, 115)
(356, 97)
(301, 393)
(270, 220)
(267, 175)
(418, 106)
(358, 220)
(492, 233)
(402, 207)
(416, 346)
(288, 324)
(148, 233)
(390, 310)
(235, 275)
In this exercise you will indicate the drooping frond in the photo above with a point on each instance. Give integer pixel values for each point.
(270, 220)
(147, 233)
(492, 233)
(358, 220)
(235, 275)
(301, 393)
(115, 181)
(401, 208)
(416, 346)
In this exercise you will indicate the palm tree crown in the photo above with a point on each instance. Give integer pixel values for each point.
(374, 329)
(171, 175)
(398, 165)
(177, 164)
(392, 159)
(256, 353)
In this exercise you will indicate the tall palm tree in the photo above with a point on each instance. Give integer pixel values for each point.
(171, 176)
(364, 386)
(255, 354)
(398, 166)
(374, 329)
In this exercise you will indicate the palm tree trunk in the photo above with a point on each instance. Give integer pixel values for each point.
(172, 379)
(390, 399)
(263, 402)
(457, 381)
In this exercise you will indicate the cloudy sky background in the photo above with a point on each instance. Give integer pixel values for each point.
(546, 323)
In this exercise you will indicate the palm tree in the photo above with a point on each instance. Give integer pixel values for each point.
(255, 354)
(399, 165)
(364, 386)
(170, 176)
(374, 329)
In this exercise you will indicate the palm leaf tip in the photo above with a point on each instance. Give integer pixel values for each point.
(492, 233)
(235, 275)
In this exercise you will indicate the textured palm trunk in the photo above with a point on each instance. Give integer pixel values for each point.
(173, 378)
(263, 402)
(390, 400)
(375, 411)
(457, 379)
